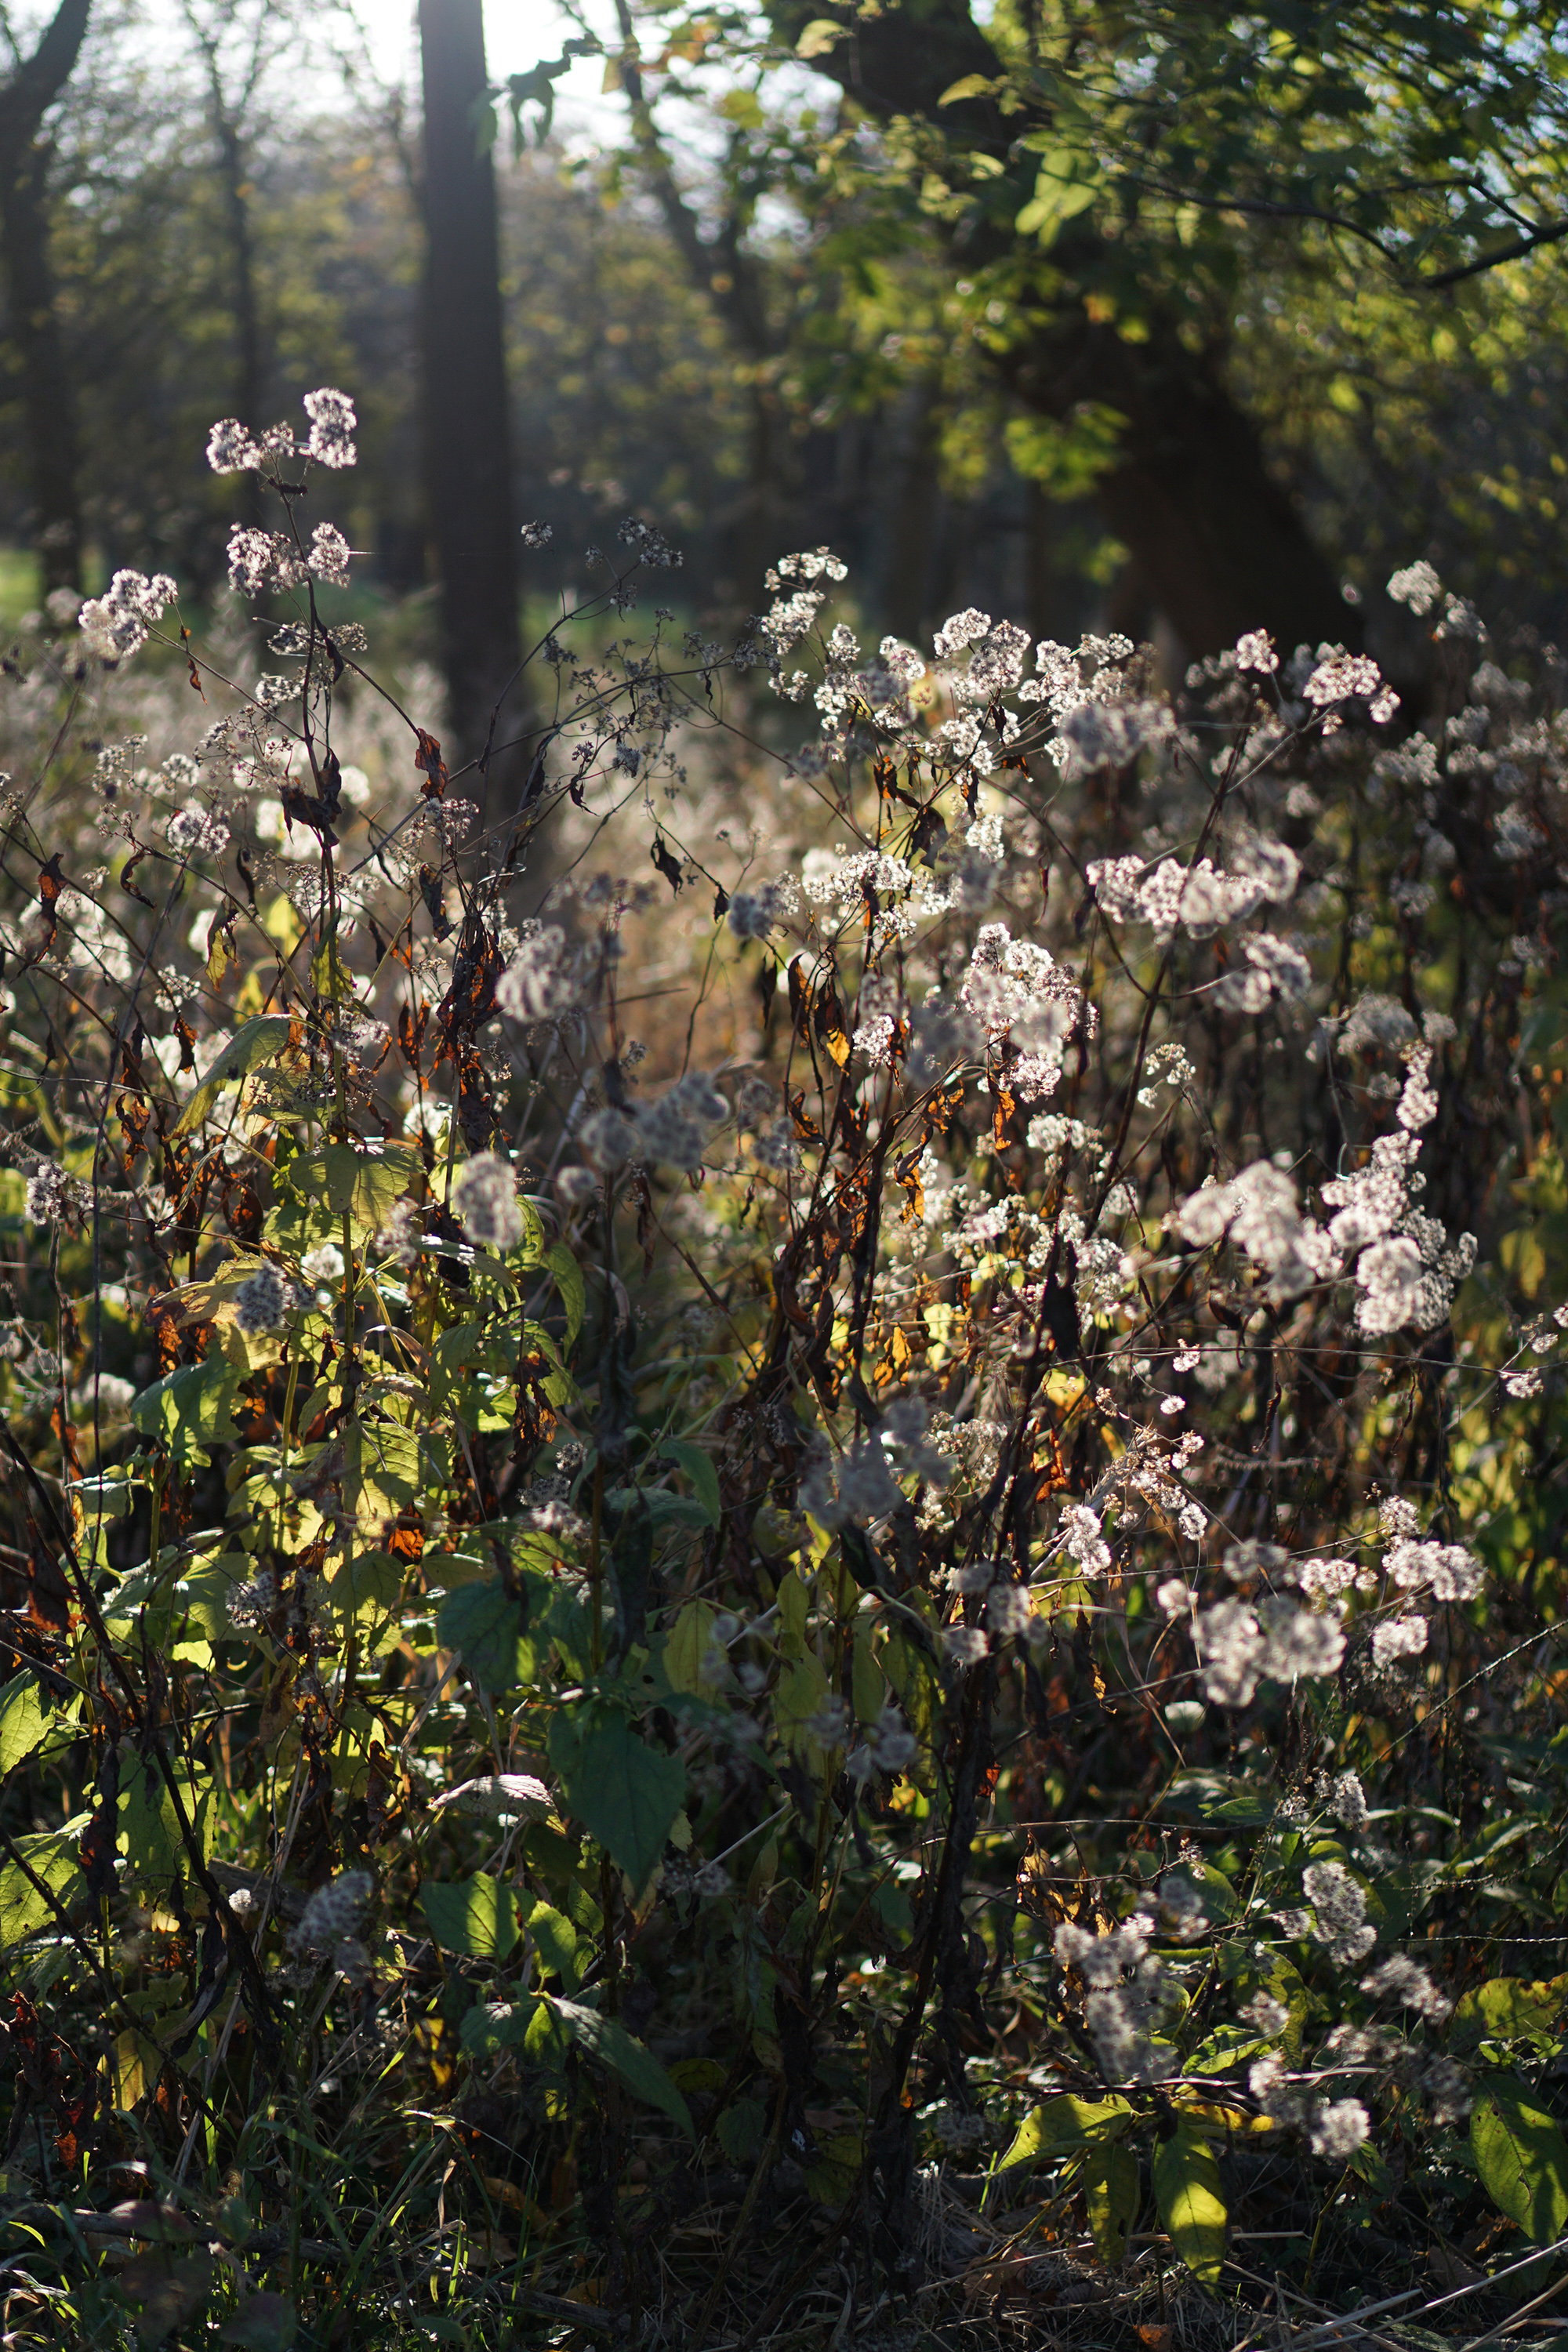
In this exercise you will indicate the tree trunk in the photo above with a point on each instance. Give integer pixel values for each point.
(1219, 542)
(467, 460)
(47, 393)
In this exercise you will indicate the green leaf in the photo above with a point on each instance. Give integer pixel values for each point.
(1522, 2156)
(149, 1825)
(687, 1643)
(626, 1794)
(485, 1623)
(188, 1409)
(971, 86)
(474, 1915)
(360, 1184)
(700, 1470)
(555, 1939)
(1508, 2009)
(1111, 2191)
(568, 1276)
(52, 1859)
(23, 1722)
(607, 2039)
(739, 2129)
(1065, 2123)
(253, 1043)
(1187, 2192)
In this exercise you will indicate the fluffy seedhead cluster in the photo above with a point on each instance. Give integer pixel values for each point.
(963, 1528)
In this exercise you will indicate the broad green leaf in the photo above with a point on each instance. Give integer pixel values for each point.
(253, 1043)
(568, 1276)
(555, 1939)
(802, 1688)
(490, 2026)
(23, 1722)
(383, 1473)
(740, 2127)
(485, 1623)
(1112, 2191)
(626, 1794)
(362, 1185)
(52, 1859)
(188, 1409)
(1522, 2156)
(1065, 2123)
(1508, 2009)
(687, 1643)
(1187, 2192)
(607, 2039)
(474, 1915)
(149, 1825)
(700, 1470)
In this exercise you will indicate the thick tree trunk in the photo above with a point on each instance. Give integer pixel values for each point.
(468, 464)
(47, 395)
(1219, 543)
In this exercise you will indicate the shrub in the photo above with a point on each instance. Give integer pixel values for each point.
(948, 1569)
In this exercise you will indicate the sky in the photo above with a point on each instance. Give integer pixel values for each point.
(518, 33)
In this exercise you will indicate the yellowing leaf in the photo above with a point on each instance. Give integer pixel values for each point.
(1187, 2192)
(820, 36)
(1522, 2156)
(1065, 2123)
(686, 1645)
(253, 1043)
(1111, 2189)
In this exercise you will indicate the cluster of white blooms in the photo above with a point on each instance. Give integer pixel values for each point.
(542, 982)
(753, 914)
(1340, 675)
(1083, 1540)
(1260, 1212)
(56, 1197)
(329, 555)
(116, 624)
(676, 1131)
(1016, 991)
(1448, 1572)
(1243, 1643)
(262, 560)
(1406, 1268)
(484, 1199)
(1416, 585)
(1202, 898)
(333, 424)
(195, 832)
(1126, 1989)
(1406, 1980)
(263, 1301)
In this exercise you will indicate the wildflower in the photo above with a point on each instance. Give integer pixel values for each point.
(329, 556)
(1416, 585)
(892, 1744)
(1406, 1980)
(608, 1139)
(230, 448)
(260, 559)
(323, 1264)
(333, 422)
(262, 1301)
(1338, 2127)
(1008, 1611)
(1397, 1638)
(1255, 651)
(1084, 1539)
(333, 1912)
(116, 624)
(537, 534)
(54, 1197)
(484, 1197)
(964, 1644)
(195, 832)
(537, 985)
